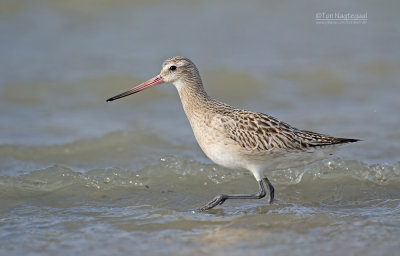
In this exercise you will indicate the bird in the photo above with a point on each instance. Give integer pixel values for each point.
(236, 138)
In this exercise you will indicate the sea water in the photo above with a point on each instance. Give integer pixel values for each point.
(79, 175)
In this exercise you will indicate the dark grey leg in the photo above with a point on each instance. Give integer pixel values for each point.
(220, 199)
(270, 189)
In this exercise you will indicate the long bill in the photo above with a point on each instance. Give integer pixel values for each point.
(149, 83)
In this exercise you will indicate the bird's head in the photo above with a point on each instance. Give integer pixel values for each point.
(176, 70)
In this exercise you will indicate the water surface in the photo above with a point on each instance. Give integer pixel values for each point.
(82, 176)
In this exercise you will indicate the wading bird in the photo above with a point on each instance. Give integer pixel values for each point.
(236, 138)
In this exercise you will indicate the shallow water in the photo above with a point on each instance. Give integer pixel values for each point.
(79, 175)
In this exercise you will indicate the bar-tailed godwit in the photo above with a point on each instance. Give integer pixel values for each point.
(236, 138)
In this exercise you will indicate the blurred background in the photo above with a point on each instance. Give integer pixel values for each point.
(60, 61)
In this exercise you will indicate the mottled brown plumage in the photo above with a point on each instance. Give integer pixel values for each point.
(261, 132)
(235, 138)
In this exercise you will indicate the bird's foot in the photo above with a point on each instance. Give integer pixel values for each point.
(271, 198)
(271, 190)
(218, 200)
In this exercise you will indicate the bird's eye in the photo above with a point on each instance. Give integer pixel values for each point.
(172, 68)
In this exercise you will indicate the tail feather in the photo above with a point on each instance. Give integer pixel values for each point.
(314, 139)
(332, 141)
(345, 140)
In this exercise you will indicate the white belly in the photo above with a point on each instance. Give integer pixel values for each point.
(219, 148)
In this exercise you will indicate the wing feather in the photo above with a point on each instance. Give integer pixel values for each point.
(261, 132)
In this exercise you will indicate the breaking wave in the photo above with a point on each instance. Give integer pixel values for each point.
(181, 173)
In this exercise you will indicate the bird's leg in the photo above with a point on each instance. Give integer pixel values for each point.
(270, 189)
(220, 199)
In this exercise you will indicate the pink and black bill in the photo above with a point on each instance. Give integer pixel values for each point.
(149, 83)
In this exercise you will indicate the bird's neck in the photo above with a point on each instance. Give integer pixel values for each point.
(193, 96)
